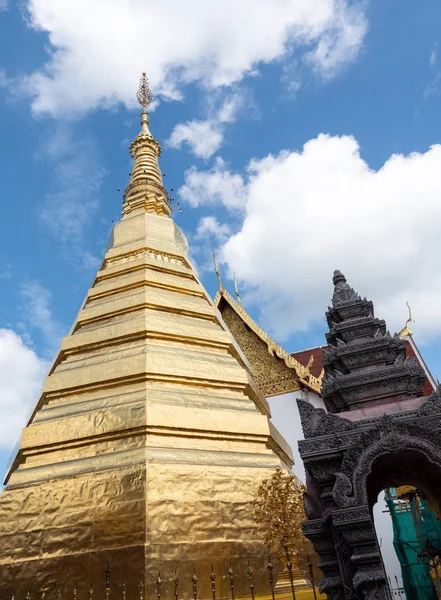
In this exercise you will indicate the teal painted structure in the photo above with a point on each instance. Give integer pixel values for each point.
(413, 524)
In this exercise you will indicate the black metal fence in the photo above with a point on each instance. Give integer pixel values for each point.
(179, 588)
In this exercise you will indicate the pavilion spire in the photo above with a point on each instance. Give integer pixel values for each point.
(363, 363)
(145, 191)
(236, 289)
(216, 270)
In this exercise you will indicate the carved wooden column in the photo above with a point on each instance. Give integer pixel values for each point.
(363, 564)
(320, 534)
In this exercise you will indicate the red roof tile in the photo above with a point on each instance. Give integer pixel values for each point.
(304, 356)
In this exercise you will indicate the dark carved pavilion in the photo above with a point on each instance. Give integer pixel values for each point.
(379, 432)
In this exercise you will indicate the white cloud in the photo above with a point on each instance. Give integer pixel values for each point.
(209, 227)
(90, 261)
(38, 314)
(21, 378)
(218, 185)
(75, 185)
(310, 212)
(341, 42)
(203, 137)
(4, 5)
(6, 270)
(290, 78)
(206, 137)
(231, 106)
(434, 55)
(97, 53)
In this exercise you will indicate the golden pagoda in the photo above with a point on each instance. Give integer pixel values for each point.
(150, 437)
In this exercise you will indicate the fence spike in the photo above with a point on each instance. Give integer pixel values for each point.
(141, 590)
(271, 577)
(231, 576)
(213, 584)
(291, 577)
(195, 586)
(107, 584)
(158, 586)
(311, 575)
(90, 592)
(251, 578)
(176, 580)
(124, 590)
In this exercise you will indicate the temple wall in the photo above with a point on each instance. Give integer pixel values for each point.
(286, 418)
(185, 515)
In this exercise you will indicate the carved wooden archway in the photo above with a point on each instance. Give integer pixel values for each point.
(348, 464)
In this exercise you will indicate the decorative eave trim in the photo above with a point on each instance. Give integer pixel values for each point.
(303, 373)
(421, 360)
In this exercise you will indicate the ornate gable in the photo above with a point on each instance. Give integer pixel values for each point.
(274, 370)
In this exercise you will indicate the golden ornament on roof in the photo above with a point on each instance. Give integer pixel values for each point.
(144, 94)
(407, 331)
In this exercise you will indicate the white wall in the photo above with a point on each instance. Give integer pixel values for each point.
(286, 418)
(385, 535)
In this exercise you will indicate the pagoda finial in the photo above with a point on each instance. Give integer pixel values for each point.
(144, 94)
(342, 291)
(236, 288)
(145, 190)
(216, 270)
(338, 277)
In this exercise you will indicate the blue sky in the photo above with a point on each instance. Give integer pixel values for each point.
(278, 128)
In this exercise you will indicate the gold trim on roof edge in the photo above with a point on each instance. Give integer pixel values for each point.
(303, 373)
(407, 331)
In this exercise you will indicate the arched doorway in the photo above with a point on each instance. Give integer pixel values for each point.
(406, 523)
(348, 465)
(406, 527)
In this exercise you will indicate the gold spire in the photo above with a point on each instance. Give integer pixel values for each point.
(236, 288)
(216, 270)
(145, 191)
(407, 331)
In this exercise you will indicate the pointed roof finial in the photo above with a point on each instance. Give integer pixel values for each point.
(338, 277)
(146, 190)
(342, 291)
(407, 331)
(144, 94)
(216, 270)
(236, 288)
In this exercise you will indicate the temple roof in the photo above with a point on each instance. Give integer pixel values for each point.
(308, 364)
(411, 351)
(302, 370)
(364, 364)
